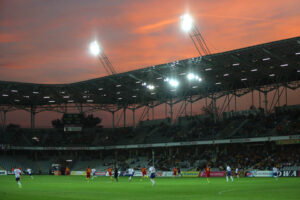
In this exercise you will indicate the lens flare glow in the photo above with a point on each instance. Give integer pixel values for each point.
(94, 48)
(186, 22)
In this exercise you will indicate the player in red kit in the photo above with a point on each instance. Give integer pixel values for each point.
(109, 170)
(144, 172)
(67, 171)
(175, 172)
(88, 173)
(207, 172)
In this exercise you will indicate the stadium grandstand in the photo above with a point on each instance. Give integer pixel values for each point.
(257, 138)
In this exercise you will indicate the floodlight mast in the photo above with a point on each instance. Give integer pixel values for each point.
(96, 51)
(188, 25)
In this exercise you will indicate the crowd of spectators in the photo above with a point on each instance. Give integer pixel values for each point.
(284, 121)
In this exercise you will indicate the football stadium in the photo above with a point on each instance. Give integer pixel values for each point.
(218, 125)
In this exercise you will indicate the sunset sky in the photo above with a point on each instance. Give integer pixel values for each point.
(46, 41)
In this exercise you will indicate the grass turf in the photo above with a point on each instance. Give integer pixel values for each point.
(76, 187)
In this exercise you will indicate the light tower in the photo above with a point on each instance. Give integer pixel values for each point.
(96, 51)
(188, 25)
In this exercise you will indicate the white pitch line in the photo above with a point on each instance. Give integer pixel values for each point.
(221, 192)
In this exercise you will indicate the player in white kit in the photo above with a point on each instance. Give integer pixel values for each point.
(275, 173)
(228, 173)
(29, 173)
(131, 173)
(93, 173)
(237, 173)
(152, 175)
(17, 173)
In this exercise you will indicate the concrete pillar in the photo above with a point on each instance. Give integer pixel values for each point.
(152, 112)
(252, 98)
(215, 113)
(228, 103)
(80, 108)
(113, 119)
(185, 114)
(235, 103)
(148, 108)
(124, 116)
(133, 117)
(32, 117)
(166, 110)
(171, 111)
(4, 120)
(266, 102)
(191, 107)
(152, 157)
(278, 96)
(286, 96)
(259, 99)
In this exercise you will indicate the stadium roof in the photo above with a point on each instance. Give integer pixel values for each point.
(252, 67)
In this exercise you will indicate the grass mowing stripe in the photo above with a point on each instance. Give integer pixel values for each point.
(76, 187)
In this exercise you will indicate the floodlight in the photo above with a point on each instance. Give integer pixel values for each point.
(150, 87)
(94, 48)
(190, 76)
(173, 82)
(186, 22)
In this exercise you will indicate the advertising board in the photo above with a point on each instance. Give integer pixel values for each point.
(3, 172)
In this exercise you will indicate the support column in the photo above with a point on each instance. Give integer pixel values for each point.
(4, 120)
(286, 96)
(148, 108)
(171, 111)
(215, 114)
(191, 106)
(65, 108)
(278, 97)
(152, 157)
(113, 119)
(133, 117)
(252, 98)
(32, 117)
(266, 102)
(124, 116)
(185, 108)
(228, 104)
(235, 103)
(80, 108)
(152, 112)
(166, 110)
(259, 99)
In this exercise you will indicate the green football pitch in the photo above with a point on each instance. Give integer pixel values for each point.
(76, 187)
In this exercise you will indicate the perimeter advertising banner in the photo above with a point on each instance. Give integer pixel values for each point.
(213, 174)
(167, 174)
(100, 173)
(190, 173)
(256, 173)
(288, 173)
(3, 172)
(78, 173)
(136, 173)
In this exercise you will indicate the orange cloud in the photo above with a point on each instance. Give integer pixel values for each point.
(7, 38)
(155, 27)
